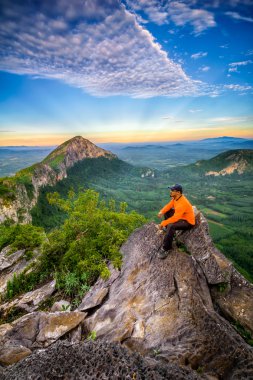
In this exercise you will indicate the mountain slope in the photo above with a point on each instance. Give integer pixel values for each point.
(19, 194)
(113, 179)
(232, 161)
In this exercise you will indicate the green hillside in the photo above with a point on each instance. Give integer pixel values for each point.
(240, 159)
(112, 179)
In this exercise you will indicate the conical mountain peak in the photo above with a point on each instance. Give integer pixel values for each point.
(76, 149)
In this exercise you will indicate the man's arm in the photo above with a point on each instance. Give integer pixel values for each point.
(179, 212)
(166, 208)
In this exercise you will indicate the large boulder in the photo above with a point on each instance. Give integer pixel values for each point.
(165, 306)
(231, 292)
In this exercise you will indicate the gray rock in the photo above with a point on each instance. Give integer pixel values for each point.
(93, 299)
(29, 301)
(38, 329)
(165, 306)
(94, 360)
(198, 242)
(7, 260)
(99, 291)
(15, 263)
(13, 354)
(61, 305)
(236, 300)
(54, 325)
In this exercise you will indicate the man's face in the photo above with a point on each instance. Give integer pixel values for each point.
(173, 193)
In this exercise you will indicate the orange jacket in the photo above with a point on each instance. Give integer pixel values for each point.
(183, 210)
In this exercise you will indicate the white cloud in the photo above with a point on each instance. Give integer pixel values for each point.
(101, 49)
(233, 69)
(237, 16)
(230, 119)
(237, 87)
(169, 117)
(96, 46)
(242, 63)
(205, 68)
(199, 55)
(195, 110)
(180, 12)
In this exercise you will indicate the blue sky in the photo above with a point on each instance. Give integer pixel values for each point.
(125, 71)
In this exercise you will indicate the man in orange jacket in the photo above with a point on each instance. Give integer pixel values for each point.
(178, 215)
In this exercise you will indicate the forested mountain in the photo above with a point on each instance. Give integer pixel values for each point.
(19, 194)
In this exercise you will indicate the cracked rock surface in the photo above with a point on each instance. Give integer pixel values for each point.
(91, 361)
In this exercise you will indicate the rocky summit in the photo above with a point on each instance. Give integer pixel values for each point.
(154, 319)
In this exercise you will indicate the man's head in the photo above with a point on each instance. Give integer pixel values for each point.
(176, 191)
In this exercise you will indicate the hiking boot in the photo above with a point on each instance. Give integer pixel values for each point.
(162, 254)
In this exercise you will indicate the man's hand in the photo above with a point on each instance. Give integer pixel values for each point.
(160, 215)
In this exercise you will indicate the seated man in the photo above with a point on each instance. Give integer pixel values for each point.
(178, 215)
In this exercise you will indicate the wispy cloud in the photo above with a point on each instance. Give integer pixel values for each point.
(238, 87)
(242, 63)
(198, 18)
(229, 119)
(201, 54)
(194, 110)
(97, 46)
(233, 67)
(168, 117)
(205, 68)
(237, 16)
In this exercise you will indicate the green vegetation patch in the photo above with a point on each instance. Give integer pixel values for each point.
(55, 161)
(7, 191)
(20, 236)
(79, 251)
(243, 332)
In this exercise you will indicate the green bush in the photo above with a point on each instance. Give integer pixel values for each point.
(21, 236)
(79, 251)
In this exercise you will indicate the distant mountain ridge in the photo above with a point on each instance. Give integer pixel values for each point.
(19, 194)
(224, 139)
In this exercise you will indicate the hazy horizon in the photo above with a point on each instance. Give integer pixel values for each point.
(130, 143)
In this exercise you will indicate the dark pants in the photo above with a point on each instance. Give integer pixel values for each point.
(181, 224)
